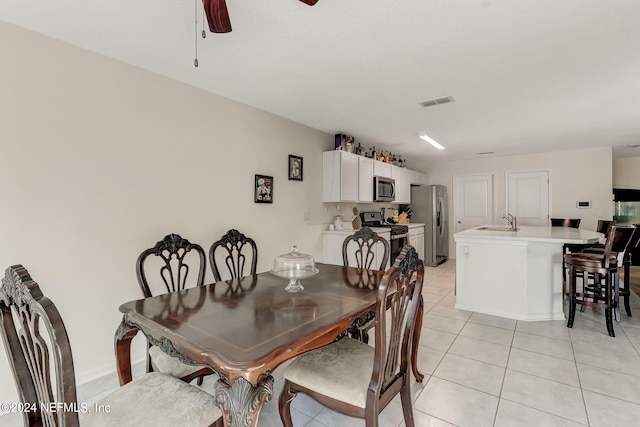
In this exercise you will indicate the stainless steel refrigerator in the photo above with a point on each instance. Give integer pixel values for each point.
(429, 205)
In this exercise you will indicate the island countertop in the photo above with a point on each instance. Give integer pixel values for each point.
(518, 274)
(533, 234)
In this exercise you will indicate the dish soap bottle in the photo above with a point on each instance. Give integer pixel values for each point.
(356, 222)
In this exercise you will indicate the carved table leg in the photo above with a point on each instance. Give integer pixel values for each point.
(122, 343)
(241, 401)
(416, 340)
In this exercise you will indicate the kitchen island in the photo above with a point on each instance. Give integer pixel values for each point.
(514, 274)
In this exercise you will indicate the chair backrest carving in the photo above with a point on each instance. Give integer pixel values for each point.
(233, 245)
(174, 272)
(364, 242)
(565, 222)
(38, 350)
(398, 294)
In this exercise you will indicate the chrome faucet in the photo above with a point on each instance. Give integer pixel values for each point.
(513, 222)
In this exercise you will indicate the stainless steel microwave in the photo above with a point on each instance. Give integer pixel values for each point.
(384, 189)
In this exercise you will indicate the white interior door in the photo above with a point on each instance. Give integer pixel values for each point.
(473, 201)
(528, 197)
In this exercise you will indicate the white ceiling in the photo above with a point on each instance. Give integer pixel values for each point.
(527, 76)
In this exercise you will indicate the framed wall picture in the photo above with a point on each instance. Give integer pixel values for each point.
(295, 168)
(263, 189)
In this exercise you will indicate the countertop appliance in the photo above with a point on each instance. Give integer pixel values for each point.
(384, 189)
(429, 205)
(398, 232)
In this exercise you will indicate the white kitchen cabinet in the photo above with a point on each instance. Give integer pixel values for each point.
(406, 186)
(347, 177)
(365, 179)
(402, 178)
(340, 178)
(382, 169)
(418, 178)
(416, 238)
(332, 247)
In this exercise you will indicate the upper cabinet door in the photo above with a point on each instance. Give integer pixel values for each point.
(365, 179)
(402, 178)
(339, 177)
(382, 169)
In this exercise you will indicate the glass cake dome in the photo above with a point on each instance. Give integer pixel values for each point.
(294, 266)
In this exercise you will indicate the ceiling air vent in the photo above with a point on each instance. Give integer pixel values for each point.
(437, 101)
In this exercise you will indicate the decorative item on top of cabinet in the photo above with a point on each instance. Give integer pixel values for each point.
(345, 142)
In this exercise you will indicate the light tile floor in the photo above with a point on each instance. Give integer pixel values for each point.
(482, 370)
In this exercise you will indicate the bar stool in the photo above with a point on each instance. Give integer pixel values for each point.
(600, 293)
(626, 238)
(567, 247)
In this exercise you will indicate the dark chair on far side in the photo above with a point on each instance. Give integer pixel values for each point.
(567, 248)
(234, 247)
(565, 222)
(361, 247)
(354, 378)
(626, 238)
(39, 353)
(603, 271)
(171, 258)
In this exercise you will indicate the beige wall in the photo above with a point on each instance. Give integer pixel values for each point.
(626, 173)
(100, 160)
(574, 175)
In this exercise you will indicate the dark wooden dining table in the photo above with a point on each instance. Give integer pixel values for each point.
(245, 328)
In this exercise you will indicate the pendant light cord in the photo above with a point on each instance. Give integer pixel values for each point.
(195, 61)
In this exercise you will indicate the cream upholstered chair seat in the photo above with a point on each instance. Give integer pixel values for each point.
(154, 400)
(341, 371)
(162, 362)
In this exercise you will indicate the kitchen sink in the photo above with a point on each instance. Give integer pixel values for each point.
(497, 228)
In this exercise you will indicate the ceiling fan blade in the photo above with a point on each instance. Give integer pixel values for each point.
(217, 16)
(309, 2)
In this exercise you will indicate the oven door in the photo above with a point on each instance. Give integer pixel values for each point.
(397, 243)
(384, 189)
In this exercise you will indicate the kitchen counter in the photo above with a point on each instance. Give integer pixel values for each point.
(535, 234)
(514, 274)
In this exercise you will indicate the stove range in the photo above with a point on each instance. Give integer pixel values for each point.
(374, 219)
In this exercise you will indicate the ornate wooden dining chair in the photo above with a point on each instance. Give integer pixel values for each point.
(234, 247)
(174, 257)
(354, 378)
(39, 353)
(361, 247)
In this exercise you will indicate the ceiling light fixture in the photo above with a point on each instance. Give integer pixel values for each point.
(423, 135)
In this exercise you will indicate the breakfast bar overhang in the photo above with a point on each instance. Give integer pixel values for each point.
(514, 274)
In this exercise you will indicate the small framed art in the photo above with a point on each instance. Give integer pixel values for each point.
(295, 168)
(263, 189)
